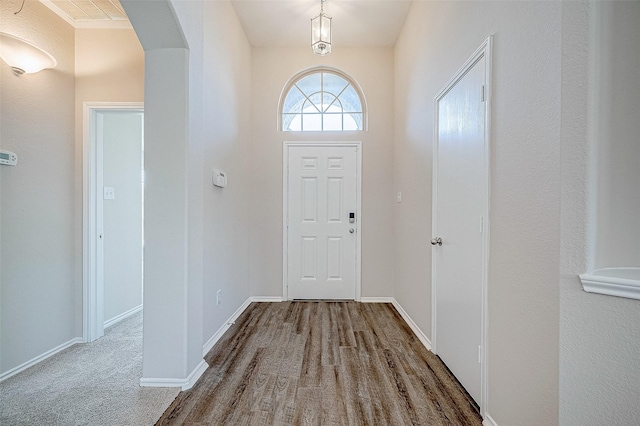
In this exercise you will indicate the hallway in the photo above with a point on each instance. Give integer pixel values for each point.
(88, 384)
(322, 363)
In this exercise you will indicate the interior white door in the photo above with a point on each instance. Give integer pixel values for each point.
(321, 240)
(460, 200)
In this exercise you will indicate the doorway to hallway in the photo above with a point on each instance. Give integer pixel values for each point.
(113, 206)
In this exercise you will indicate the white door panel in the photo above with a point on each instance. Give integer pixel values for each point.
(321, 250)
(460, 200)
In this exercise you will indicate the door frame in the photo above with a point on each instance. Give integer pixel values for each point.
(485, 50)
(92, 219)
(285, 208)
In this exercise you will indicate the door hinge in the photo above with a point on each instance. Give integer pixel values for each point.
(482, 93)
(481, 224)
(480, 354)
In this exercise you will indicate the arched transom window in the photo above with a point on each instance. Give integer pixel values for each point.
(322, 101)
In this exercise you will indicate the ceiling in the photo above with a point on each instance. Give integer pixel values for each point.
(90, 13)
(271, 23)
(356, 23)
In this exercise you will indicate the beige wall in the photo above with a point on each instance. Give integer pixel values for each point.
(37, 218)
(41, 213)
(525, 189)
(109, 67)
(372, 69)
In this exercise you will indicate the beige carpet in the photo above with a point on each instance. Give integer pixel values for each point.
(88, 384)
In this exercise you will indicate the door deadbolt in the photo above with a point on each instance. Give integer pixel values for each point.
(436, 241)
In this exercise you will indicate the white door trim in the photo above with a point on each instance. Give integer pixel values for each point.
(484, 50)
(92, 247)
(285, 208)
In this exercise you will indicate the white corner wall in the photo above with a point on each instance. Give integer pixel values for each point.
(599, 335)
(525, 186)
(372, 69)
(37, 217)
(219, 95)
(615, 35)
(197, 238)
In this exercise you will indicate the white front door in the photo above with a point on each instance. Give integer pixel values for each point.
(321, 234)
(460, 205)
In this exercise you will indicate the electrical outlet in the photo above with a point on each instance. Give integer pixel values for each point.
(219, 297)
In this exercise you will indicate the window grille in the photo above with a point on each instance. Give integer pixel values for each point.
(322, 101)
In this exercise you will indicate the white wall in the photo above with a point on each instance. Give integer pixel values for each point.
(372, 69)
(122, 216)
(37, 217)
(599, 335)
(219, 90)
(195, 125)
(525, 200)
(616, 72)
(226, 100)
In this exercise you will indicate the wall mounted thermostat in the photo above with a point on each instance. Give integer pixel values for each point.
(8, 158)
(219, 178)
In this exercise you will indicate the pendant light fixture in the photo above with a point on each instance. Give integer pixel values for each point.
(24, 57)
(321, 33)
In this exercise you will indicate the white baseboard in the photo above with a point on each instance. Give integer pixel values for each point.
(218, 334)
(195, 375)
(122, 316)
(265, 299)
(184, 384)
(416, 330)
(488, 421)
(4, 376)
(377, 299)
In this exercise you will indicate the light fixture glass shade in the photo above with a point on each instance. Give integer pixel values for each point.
(321, 34)
(24, 57)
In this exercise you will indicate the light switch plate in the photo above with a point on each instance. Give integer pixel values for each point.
(109, 193)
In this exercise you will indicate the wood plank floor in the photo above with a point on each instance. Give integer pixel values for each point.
(322, 363)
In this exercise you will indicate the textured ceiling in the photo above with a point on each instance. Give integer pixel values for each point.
(88, 10)
(90, 13)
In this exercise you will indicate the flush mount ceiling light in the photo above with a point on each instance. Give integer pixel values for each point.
(321, 33)
(24, 57)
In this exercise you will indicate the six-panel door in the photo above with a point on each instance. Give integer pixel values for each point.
(322, 192)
